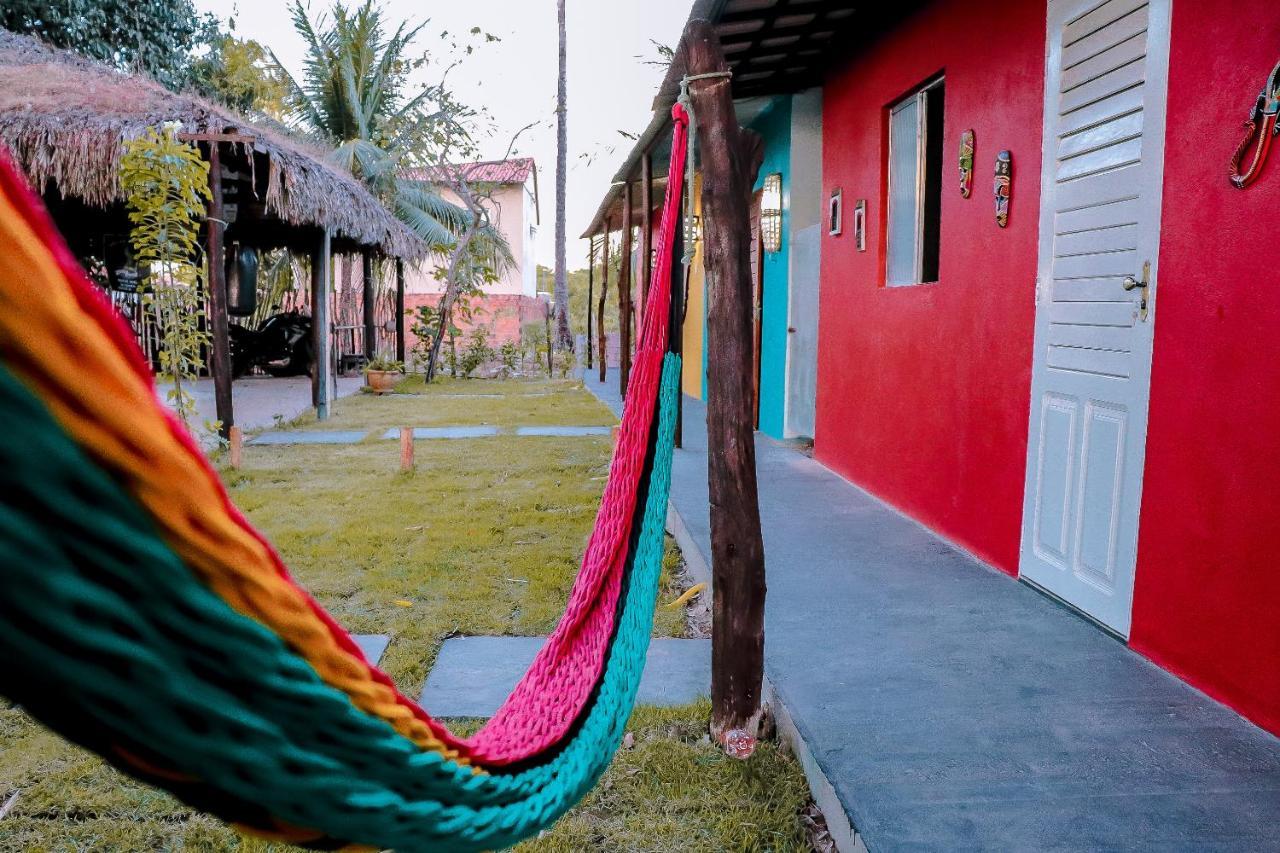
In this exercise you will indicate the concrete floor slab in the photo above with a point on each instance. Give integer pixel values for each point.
(952, 708)
(423, 433)
(260, 401)
(564, 431)
(309, 436)
(372, 646)
(472, 676)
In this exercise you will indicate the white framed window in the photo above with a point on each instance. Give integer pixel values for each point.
(915, 187)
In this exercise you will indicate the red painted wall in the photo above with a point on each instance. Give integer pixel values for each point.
(1207, 597)
(923, 392)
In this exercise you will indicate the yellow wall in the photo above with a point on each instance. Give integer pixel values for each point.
(694, 310)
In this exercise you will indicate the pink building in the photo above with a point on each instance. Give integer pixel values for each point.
(512, 300)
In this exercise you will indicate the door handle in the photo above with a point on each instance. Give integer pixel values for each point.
(1130, 284)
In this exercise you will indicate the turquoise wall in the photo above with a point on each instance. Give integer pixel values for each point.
(774, 126)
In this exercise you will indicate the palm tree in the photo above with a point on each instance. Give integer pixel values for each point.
(352, 97)
(564, 337)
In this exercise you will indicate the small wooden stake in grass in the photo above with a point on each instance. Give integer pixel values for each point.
(237, 446)
(731, 158)
(406, 449)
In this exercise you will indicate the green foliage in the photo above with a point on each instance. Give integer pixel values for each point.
(241, 74)
(477, 352)
(578, 297)
(385, 365)
(159, 37)
(354, 95)
(509, 355)
(166, 184)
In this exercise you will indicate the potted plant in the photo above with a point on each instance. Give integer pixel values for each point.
(381, 374)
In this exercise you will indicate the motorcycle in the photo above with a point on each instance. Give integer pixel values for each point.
(281, 346)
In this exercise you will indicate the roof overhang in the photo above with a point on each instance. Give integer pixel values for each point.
(773, 47)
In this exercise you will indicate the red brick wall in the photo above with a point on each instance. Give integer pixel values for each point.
(503, 314)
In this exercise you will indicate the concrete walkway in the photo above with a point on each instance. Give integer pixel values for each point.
(259, 400)
(944, 706)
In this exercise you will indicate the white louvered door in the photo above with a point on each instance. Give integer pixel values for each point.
(1105, 90)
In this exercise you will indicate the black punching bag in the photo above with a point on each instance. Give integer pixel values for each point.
(242, 281)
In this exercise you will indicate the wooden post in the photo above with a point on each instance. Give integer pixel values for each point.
(624, 294)
(236, 437)
(220, 357)
(320, 388)
(676, 342)
(646, 229)
(368, 305)
(604, 292)
(406, 449)
(591, 279)
(731, 158)
(400, 310)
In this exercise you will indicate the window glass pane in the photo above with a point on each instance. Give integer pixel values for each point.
(904, 174)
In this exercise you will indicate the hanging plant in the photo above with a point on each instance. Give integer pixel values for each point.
(166, 186)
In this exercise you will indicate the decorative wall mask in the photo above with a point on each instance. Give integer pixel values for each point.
(966, 163)
(1260, 129)
(1003, 187)
(860, 225)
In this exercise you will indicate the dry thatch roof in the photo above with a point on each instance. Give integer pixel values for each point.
(65, 117)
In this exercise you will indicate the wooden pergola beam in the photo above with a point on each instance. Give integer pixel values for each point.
(368, 306)
(646, 226)
(219, 324)
(731, 157)
(604, 293)
(400, 310)
(624, 294)
(321, 392)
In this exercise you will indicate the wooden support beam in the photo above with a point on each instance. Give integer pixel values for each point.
(730, 159)
(624, 294)
(368, 305)
(220, 355)
(321, 390)
(400, 310)
(406, 448)
(591, 280)
(676, 342)
(646, 229)
(604, 293)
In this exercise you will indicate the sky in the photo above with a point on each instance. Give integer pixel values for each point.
(611, 80)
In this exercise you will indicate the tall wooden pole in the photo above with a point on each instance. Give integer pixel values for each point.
(677, 316)
(320, 388)
(730, 159)
(591, 280)
(604, 293)
(400, 310)
(368, 305)
(220, 357)
(624, 294)
(646, 229)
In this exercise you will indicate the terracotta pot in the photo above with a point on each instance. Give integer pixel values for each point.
(381, 381)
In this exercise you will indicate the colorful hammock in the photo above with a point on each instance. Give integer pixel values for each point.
(144, 618)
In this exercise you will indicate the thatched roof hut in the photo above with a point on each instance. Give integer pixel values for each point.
(64, 119)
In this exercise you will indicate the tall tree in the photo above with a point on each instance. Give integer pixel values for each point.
(564, 337)
(353, 95)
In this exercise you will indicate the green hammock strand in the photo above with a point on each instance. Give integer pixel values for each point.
(103, 615)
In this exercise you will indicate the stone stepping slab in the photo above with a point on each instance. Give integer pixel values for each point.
(446, 432)
(490, 431)
(310, 436)
(564, 431)
(472, 676)
(372, 646)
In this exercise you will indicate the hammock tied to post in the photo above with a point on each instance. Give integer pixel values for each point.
(143, 617)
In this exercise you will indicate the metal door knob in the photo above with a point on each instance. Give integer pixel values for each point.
(1131, 283)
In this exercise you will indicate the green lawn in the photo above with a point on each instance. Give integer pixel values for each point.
(484, 538)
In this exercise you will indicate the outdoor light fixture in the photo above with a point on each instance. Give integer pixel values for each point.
(771, 212)
(694, 231)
